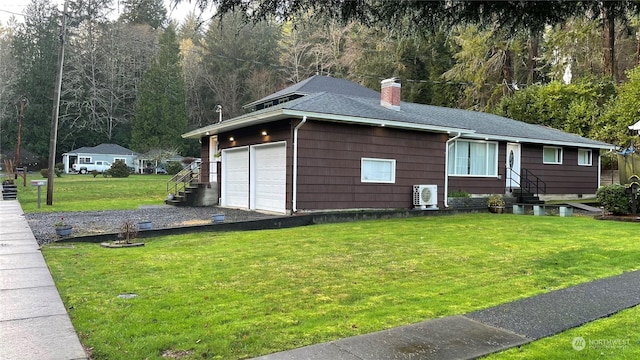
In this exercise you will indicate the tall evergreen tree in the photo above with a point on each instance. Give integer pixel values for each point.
(8, 71)
(35, 48)
(161, 110)
(235, 52)
(149, 12)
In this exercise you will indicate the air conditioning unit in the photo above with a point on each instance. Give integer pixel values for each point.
(425, 197)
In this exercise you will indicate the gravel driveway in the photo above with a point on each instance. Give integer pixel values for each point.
(161, 216)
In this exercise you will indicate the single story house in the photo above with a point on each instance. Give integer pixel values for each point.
(102, 152)
(328, 143)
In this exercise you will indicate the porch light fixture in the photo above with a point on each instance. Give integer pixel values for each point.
(231, 138)
(207, 133)
(264, 133)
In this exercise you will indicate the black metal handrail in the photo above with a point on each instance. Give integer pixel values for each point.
(179, 181)
(528, 181)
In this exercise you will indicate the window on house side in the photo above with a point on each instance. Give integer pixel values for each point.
(552, 155)
(584, 157)
(84, 160)
(378, 170)
(473, 158)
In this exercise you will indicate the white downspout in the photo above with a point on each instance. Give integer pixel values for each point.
(294, 195)
(600, 168)
(446, 170)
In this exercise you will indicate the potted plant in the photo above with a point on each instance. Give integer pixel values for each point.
(62, 228)
(495, 203)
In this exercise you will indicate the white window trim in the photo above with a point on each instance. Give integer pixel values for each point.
(454, 158)
(119, 158)
(393, 171)
(590, 152)
(85, 157)
(557, 161)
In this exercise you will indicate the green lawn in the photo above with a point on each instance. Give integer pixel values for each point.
(243, 294)
(85, 193)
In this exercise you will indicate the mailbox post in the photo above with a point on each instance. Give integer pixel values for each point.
(39, 184)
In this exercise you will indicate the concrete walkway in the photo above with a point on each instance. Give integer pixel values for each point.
(34, 323)
(486, 331)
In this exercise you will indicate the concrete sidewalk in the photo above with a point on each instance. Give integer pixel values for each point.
(486, 331)
(34, 323)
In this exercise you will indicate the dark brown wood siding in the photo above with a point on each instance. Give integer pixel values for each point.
(329, 165)
(565, 178)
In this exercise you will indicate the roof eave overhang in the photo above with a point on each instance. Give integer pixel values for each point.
(235, 123)
(248, 120)
(514, 139)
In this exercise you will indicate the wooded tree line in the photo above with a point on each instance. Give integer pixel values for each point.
(140, 81)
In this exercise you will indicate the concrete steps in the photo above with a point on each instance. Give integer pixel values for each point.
(9, 191)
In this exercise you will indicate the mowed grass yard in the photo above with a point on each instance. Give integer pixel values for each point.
(75, 192)
(243, 294)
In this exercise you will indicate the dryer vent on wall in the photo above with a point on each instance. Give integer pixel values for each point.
(425, 197)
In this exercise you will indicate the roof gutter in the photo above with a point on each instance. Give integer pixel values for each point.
(478, 136)
(294, 199)
(446, 169)
(359, 120)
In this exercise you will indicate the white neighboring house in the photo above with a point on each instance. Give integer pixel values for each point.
(102, 152)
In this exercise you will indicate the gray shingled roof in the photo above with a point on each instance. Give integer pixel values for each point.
(317, 84)
(484, 124)
(104, 149)
(328, 97)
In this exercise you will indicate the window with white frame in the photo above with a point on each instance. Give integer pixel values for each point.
(552, 155)
(84, 159)
(473, 158)
(124, 160)
(584, 157)
(378, 170)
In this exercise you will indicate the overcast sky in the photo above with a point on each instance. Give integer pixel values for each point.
(16, 7)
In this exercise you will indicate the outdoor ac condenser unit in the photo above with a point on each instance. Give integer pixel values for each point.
(425, 197)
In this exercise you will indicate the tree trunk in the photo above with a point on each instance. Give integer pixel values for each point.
(637, 49)
(507, 71)
(532, 61)
(608, 43)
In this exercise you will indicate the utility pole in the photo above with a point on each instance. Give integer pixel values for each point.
(56, 106)
(23, 102)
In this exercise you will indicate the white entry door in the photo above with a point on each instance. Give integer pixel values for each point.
(268, 177)
(513, 166)
(213, 160)
(235, 178)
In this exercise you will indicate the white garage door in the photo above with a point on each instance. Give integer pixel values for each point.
(269, 177)
(235, 177)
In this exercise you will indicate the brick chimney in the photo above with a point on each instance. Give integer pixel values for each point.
(390, 94)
